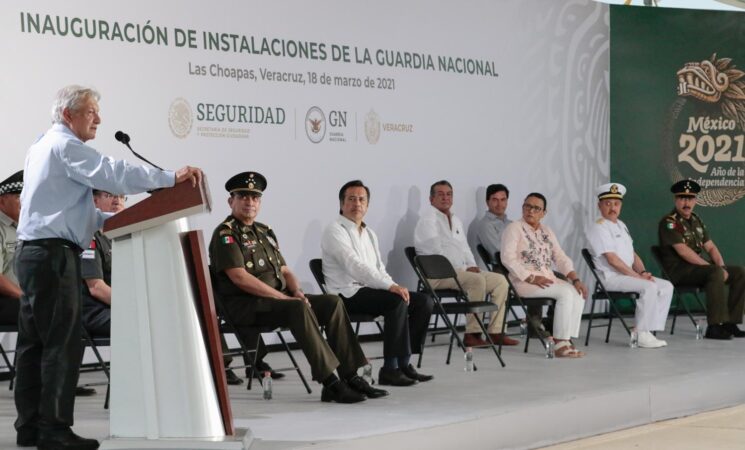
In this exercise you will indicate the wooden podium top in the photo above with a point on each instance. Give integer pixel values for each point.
(165, 205)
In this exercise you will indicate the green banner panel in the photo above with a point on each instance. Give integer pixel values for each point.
(678, 111)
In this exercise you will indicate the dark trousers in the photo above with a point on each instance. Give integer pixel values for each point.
(342, 349)
(405, 326)
(97, 321)
(721, 308)
(9, 310)
(49, 336)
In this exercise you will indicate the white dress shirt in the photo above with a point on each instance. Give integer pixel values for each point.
(351, 259)
(435, 236)
(58, 179)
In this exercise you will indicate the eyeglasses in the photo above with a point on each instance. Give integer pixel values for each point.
(533, 208)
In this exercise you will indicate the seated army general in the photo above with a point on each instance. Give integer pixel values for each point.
(690, 257)
(623, 270)
(354, 269)
(258, 289)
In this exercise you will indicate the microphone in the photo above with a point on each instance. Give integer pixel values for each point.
(124, 139)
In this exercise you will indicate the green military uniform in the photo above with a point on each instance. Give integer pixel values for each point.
(674, 229)
(254, 247)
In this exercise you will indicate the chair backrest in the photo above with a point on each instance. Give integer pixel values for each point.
(410, 253)
(435, 267)
(485, 257)
(587, 256)
(657, 255)
(316, 268)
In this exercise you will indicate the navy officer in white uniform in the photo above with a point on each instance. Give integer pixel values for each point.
(623, 270)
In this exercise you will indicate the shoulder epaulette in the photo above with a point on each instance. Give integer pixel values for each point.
(600, 221)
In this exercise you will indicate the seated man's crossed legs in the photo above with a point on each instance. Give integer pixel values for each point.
(477, 285)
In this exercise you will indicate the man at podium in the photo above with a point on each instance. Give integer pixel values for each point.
(57, 221)
(258, 289)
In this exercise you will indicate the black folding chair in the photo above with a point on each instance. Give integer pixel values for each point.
(227, 326)
(8, 364)
(437, 267)
(94, 342)
(514, 299)
(434, 330)
(679, 290)
(316, 268)
(613, 297)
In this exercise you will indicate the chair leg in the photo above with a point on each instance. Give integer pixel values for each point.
(589, 323)
(357, 329)
(11, 367)
(452, 333)
(675, 312)
(294, 363)
(108, 392)
(434, 327)
(488, 338)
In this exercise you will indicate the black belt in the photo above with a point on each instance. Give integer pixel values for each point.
(53, 242)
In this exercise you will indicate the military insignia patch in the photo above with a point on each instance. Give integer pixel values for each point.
(261, 262)
(670, 226)
(225, 232)
(227, 240)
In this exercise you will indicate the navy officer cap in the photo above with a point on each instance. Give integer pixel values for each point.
(13, 184)
(253, 182)
(685, 188)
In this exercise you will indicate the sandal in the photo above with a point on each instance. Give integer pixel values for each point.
(565, 349)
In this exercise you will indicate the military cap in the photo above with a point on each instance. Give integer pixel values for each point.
(685, 188)
(13, 184)
(611, 190)
(246, 182)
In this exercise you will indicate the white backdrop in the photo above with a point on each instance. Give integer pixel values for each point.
(540, 125)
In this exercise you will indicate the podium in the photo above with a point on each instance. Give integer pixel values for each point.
(168, 387)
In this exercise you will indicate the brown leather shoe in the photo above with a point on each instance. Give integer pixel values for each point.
(502, 338)
(474, 340)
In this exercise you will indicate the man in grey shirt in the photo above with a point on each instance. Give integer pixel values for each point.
(489, 228)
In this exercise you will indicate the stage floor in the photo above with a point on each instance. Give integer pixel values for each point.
(532, 402)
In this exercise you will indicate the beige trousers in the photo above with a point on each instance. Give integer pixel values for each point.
(477, 285)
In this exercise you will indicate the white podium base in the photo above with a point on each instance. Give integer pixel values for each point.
(241, 441)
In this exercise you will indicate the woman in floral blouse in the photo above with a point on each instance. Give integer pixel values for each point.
(530, 251)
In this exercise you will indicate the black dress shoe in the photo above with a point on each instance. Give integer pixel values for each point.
(340, 392)
(359, 384)
(393, 377)
(27, 436)
(232, 378)
(66, 440)
(718, 332)
(262, 367)
(736, 332)
(82, 391)
(411, 372)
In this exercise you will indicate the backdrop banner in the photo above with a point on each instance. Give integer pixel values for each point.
(678, 112)
(399, 95)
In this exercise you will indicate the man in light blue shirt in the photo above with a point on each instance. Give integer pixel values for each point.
(489, 228)
(57, 220)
